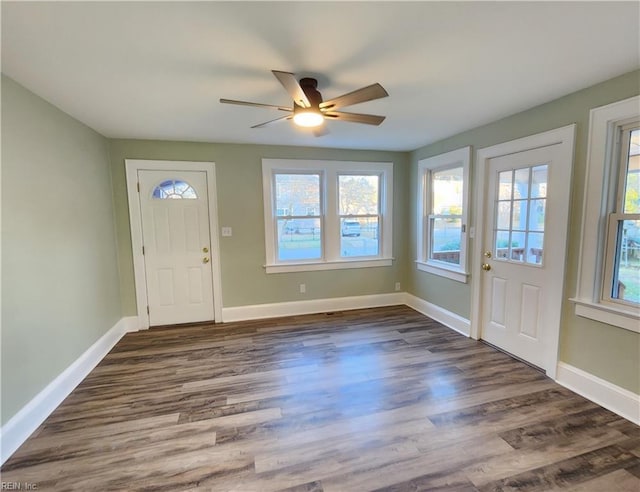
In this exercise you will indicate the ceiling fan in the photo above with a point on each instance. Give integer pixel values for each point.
(309, 110)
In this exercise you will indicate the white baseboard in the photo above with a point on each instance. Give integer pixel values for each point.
(295, 308)
(130, 323)
(447, 318)
(619, 400)
(26, 421)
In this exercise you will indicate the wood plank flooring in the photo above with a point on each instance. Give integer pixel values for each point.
(377, 399)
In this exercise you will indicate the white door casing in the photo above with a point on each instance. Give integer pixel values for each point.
(516, 305)
(175, 277)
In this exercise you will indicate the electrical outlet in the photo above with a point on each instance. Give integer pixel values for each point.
(303, 288)
(397, 286)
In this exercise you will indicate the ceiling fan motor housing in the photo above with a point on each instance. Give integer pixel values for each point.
(309, 86)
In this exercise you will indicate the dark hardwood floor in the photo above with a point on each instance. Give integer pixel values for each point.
(378, 399)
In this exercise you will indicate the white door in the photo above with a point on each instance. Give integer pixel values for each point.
(526, 208)
(174, 208)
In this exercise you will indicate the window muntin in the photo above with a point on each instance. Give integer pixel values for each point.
(359, 212)
(329, 237)
(520, 215)
(442, 214)
(621, 281)
(174, 189)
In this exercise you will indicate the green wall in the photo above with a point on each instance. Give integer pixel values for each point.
(59, 265)
(603, 350)
(240, 206)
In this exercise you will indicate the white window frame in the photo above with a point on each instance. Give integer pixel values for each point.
(426, 167)
(599, 201)
(356, 218)
(618, 181)
(329, 213)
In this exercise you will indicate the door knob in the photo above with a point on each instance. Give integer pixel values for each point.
(486, 267)
(205, 260)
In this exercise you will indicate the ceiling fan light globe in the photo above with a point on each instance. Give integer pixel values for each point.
(308, 119)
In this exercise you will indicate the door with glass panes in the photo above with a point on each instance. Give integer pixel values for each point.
(523, 253)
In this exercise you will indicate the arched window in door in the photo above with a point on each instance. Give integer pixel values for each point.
(174, 189)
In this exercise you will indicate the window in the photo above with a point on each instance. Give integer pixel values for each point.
(299, 228)
(609, 267)
(520, 212)
(323, 215)
(622, 260)
(359, 200)
(442, 214)
(174, 189)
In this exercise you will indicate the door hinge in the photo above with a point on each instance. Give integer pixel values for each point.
(138, 186)
(147, 309)
(143, 250)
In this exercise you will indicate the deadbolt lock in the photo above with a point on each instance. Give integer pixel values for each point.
(205, 250)
(487, 254)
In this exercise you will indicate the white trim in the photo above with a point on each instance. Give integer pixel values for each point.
(619, 400)
(456, 158)
(440, 314)
(16, 431)
(602, 124)
(135, 219)
(328, 265)
(606, 314)
(295, 308)
(564, 136)
(443, 271)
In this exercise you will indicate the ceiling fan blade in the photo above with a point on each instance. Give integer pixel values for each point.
(369, 119)
(292, 86)
(258, 105)
(369, 93)
(282, 118)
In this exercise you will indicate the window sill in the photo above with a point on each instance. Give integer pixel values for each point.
(442, 271)
(328, 265)
(626, 318)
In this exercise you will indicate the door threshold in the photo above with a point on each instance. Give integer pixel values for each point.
(193, 324)
(520, 359)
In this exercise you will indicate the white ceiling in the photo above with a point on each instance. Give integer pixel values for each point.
(157, 69)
